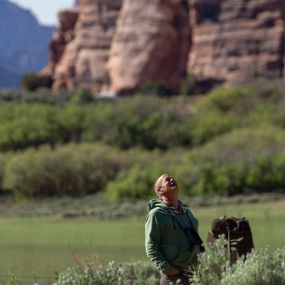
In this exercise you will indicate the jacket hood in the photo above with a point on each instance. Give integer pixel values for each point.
(157, 203)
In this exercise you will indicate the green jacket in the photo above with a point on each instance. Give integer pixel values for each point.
(165, 242)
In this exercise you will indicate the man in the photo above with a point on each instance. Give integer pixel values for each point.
(169, 244)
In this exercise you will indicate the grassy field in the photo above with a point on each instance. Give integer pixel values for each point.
(46, 246)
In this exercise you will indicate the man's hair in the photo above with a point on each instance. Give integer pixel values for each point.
(158, 184)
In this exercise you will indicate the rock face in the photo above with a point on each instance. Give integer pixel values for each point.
(60, 39)
(58, 44)
(120, 45)
(236, 41)
(83, 63)
(151, 44)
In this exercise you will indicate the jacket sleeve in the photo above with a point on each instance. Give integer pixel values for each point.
(152, 241)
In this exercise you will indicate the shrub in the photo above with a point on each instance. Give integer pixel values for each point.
(82, 96)
(211, 265)
(145, 122)
(137, 183)
(10, 95)
(154, 88)
(187, 86)
(4, 158)
(71, 122)
(23, 126)
(205, 126)
(138, 273)
(69, 170)
(41, 95)
(246, 160)
(32, 81)
(261, 267)
(224, 99)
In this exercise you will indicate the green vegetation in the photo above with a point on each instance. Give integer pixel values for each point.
(48, 245)
(227, 143)
(242, 161)
(70, 170)
(120, 274)
(154, 89)
(263, 266)
(234, 137)
(32, 81)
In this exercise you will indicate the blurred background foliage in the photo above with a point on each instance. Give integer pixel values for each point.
(228, 142)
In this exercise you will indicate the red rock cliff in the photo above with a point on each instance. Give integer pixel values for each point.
(122, 44)
(235, 41)
(59, 41)
(83, 63)
(151, 44)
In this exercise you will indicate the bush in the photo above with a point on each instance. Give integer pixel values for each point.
(137, 183)
(246, 160)
(32, 81)
(42, 95)
(204, 127)
(187, 86)
(138, 273)
(82, 96)
(211, 264)
(23, 126)
(145, 122)
(261, 267)
(224, 99)
(69, 170)
(154, 88)
(4, 158)
(71, 122)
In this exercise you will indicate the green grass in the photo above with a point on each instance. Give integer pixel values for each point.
(45, 246)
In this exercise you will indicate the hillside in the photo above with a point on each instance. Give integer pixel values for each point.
(23, 42)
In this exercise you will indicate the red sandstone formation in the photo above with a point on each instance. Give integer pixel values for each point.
(151, 44)
(148, 41)
(235, 41)
(57, 46)
(84, 61)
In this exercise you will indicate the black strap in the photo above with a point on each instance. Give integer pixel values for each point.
(192, 235)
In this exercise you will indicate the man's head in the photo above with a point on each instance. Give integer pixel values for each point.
(166, 185)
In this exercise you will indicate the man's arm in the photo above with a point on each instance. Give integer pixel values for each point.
(152, 241)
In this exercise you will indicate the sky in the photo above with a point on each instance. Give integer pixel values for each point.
(45, 10)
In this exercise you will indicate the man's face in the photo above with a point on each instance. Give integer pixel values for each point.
(169, 186)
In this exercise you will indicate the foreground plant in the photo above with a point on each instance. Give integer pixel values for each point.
(137, 273)
(261, 267)
(211, 265)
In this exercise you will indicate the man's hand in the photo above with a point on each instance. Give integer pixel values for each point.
(174, 271)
